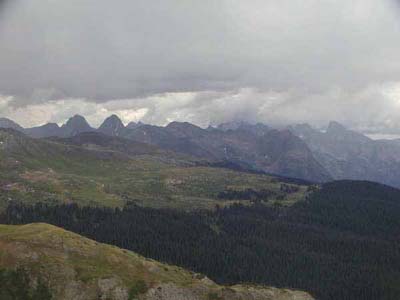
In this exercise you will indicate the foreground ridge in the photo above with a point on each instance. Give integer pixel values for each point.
(75, 267)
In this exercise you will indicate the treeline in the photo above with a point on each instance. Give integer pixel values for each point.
(342, 243)
(258, 196)
(247, 194)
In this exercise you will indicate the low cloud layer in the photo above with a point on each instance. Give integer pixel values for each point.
(207, 62)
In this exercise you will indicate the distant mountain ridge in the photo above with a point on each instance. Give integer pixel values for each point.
(299, 152)
(7, 123)
(74, 125)
(259, 147)
(347, 154)
(49, 129)
(256, 147)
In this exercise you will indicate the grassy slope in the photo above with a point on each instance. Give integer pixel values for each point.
(39, 170)
(73, 265)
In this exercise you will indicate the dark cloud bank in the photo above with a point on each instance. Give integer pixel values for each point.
(206, 62)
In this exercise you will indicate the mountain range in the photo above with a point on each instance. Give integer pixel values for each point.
(200, 199)
(256, 147)
(347, 154)
(299, 151)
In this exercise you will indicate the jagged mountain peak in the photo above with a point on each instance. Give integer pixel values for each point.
(258, 129)
(112, 126)
(338, 131)
(76, 121)
(334, 127)
(75, 125)
(113, 118)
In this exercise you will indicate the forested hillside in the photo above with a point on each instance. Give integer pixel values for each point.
(341, 243)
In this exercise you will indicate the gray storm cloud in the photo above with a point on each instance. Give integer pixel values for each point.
(265, 60)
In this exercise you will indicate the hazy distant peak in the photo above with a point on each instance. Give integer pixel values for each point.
(335, 127)
(76, 119)
(232, 125)
(184, 128)
(46, 130)
(303, 126)
(76, 125)
(258, 129)
(7, 123)
(112, 121)
(51, 125)
(176, 124)
(47, 126)
(112, 126)
(211, 128)
(77, 116)
(303, 130)
(113, 117)
(133, 125)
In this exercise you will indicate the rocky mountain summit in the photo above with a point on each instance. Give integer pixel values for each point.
(75, 125)
(112, 126)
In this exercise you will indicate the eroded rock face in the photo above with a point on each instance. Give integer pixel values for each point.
(112, 288)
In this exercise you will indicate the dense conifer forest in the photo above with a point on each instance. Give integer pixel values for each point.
(340, 243)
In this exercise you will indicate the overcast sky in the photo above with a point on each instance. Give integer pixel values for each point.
(206, 62)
